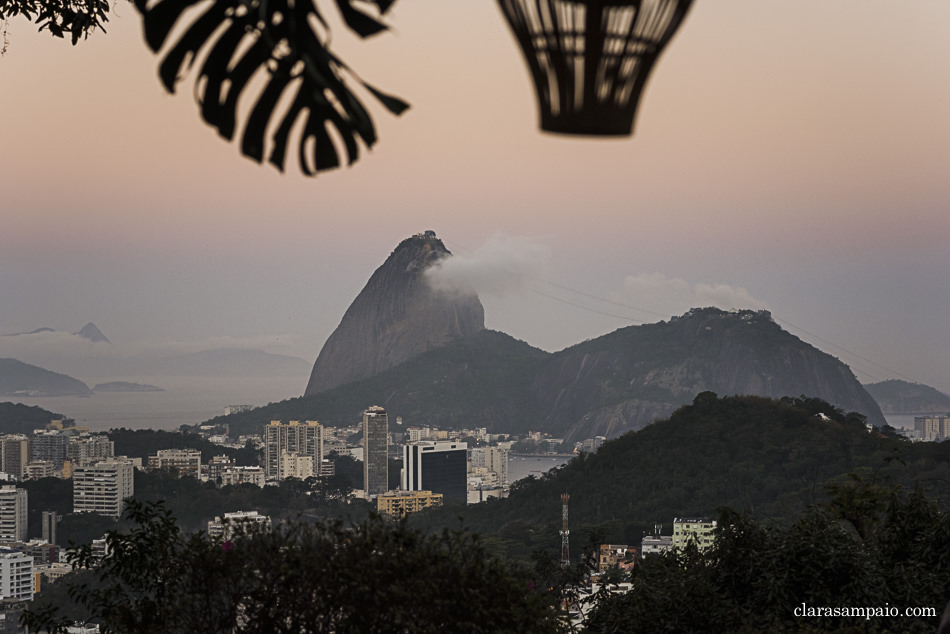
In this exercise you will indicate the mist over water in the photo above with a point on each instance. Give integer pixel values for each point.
(192, 400)
(185, 401)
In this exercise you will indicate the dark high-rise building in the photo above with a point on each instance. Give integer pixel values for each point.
(15, 454)
(49, 519)
(375, 451)
(437, 466)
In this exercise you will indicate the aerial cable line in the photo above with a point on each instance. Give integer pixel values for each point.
(846, 351)
(581, 293)
(854, 366)
(587, 308)
(605, 300)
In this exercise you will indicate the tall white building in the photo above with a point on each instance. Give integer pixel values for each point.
(13, 509)
(103, 487)
(304, 439)
(16, 575)
(493, 460)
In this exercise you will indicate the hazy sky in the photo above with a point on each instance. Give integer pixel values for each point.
(793, 156)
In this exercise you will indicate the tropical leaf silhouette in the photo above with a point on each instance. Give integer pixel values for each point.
(285, 42)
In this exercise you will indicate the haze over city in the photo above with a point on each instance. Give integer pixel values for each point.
(790, 157)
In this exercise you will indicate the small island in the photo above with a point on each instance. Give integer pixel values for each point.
(126, 386)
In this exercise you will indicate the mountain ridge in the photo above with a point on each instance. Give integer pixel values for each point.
(607, 386)
(91, 332)
(769, 457)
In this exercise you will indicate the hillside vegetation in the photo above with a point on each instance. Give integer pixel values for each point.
(16, 418)
(17, 377)
(770, 458)
(902, 397)
(480, 380)
(619, 382)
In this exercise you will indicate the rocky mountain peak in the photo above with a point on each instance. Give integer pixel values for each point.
(396, 316)
(92, 333)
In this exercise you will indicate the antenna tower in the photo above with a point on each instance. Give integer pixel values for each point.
(565, 544)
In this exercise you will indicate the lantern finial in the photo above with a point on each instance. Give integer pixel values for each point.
(590, 59)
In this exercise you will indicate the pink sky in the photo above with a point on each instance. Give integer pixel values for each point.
(794, 156)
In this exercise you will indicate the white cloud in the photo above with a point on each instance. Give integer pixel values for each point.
(501, 266)
(675, 295)
(726, 297)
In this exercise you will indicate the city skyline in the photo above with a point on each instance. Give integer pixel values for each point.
(789, 158)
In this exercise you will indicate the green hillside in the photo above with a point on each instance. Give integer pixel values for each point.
(18, 378)
(902, 397)
(480, 380)
(16, 418)
(771, 458)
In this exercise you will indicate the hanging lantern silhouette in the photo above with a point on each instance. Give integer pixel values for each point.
(590, 59)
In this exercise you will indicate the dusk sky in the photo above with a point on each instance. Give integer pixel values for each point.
(791, 156)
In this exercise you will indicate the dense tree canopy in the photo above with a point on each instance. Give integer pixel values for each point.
(371, 577)
(770, 458)
(876, 549)
(17, 418)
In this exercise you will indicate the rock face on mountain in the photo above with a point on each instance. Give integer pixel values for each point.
(619, 382)
(92, 333)
(628, 378)
(395, 317)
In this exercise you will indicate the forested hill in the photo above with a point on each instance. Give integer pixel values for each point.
(902, 397)
(16, 418)
(18, 378)
(483, 379)
(606, 386)
(772, 458)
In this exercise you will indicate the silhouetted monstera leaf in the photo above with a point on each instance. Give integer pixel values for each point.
(267, 62)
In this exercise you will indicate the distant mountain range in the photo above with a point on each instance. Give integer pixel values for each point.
(616, 383)
(90, 331)
(126, 386)
(92, 354)
(423, 353)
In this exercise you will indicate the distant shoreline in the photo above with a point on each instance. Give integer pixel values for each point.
(126, 386)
